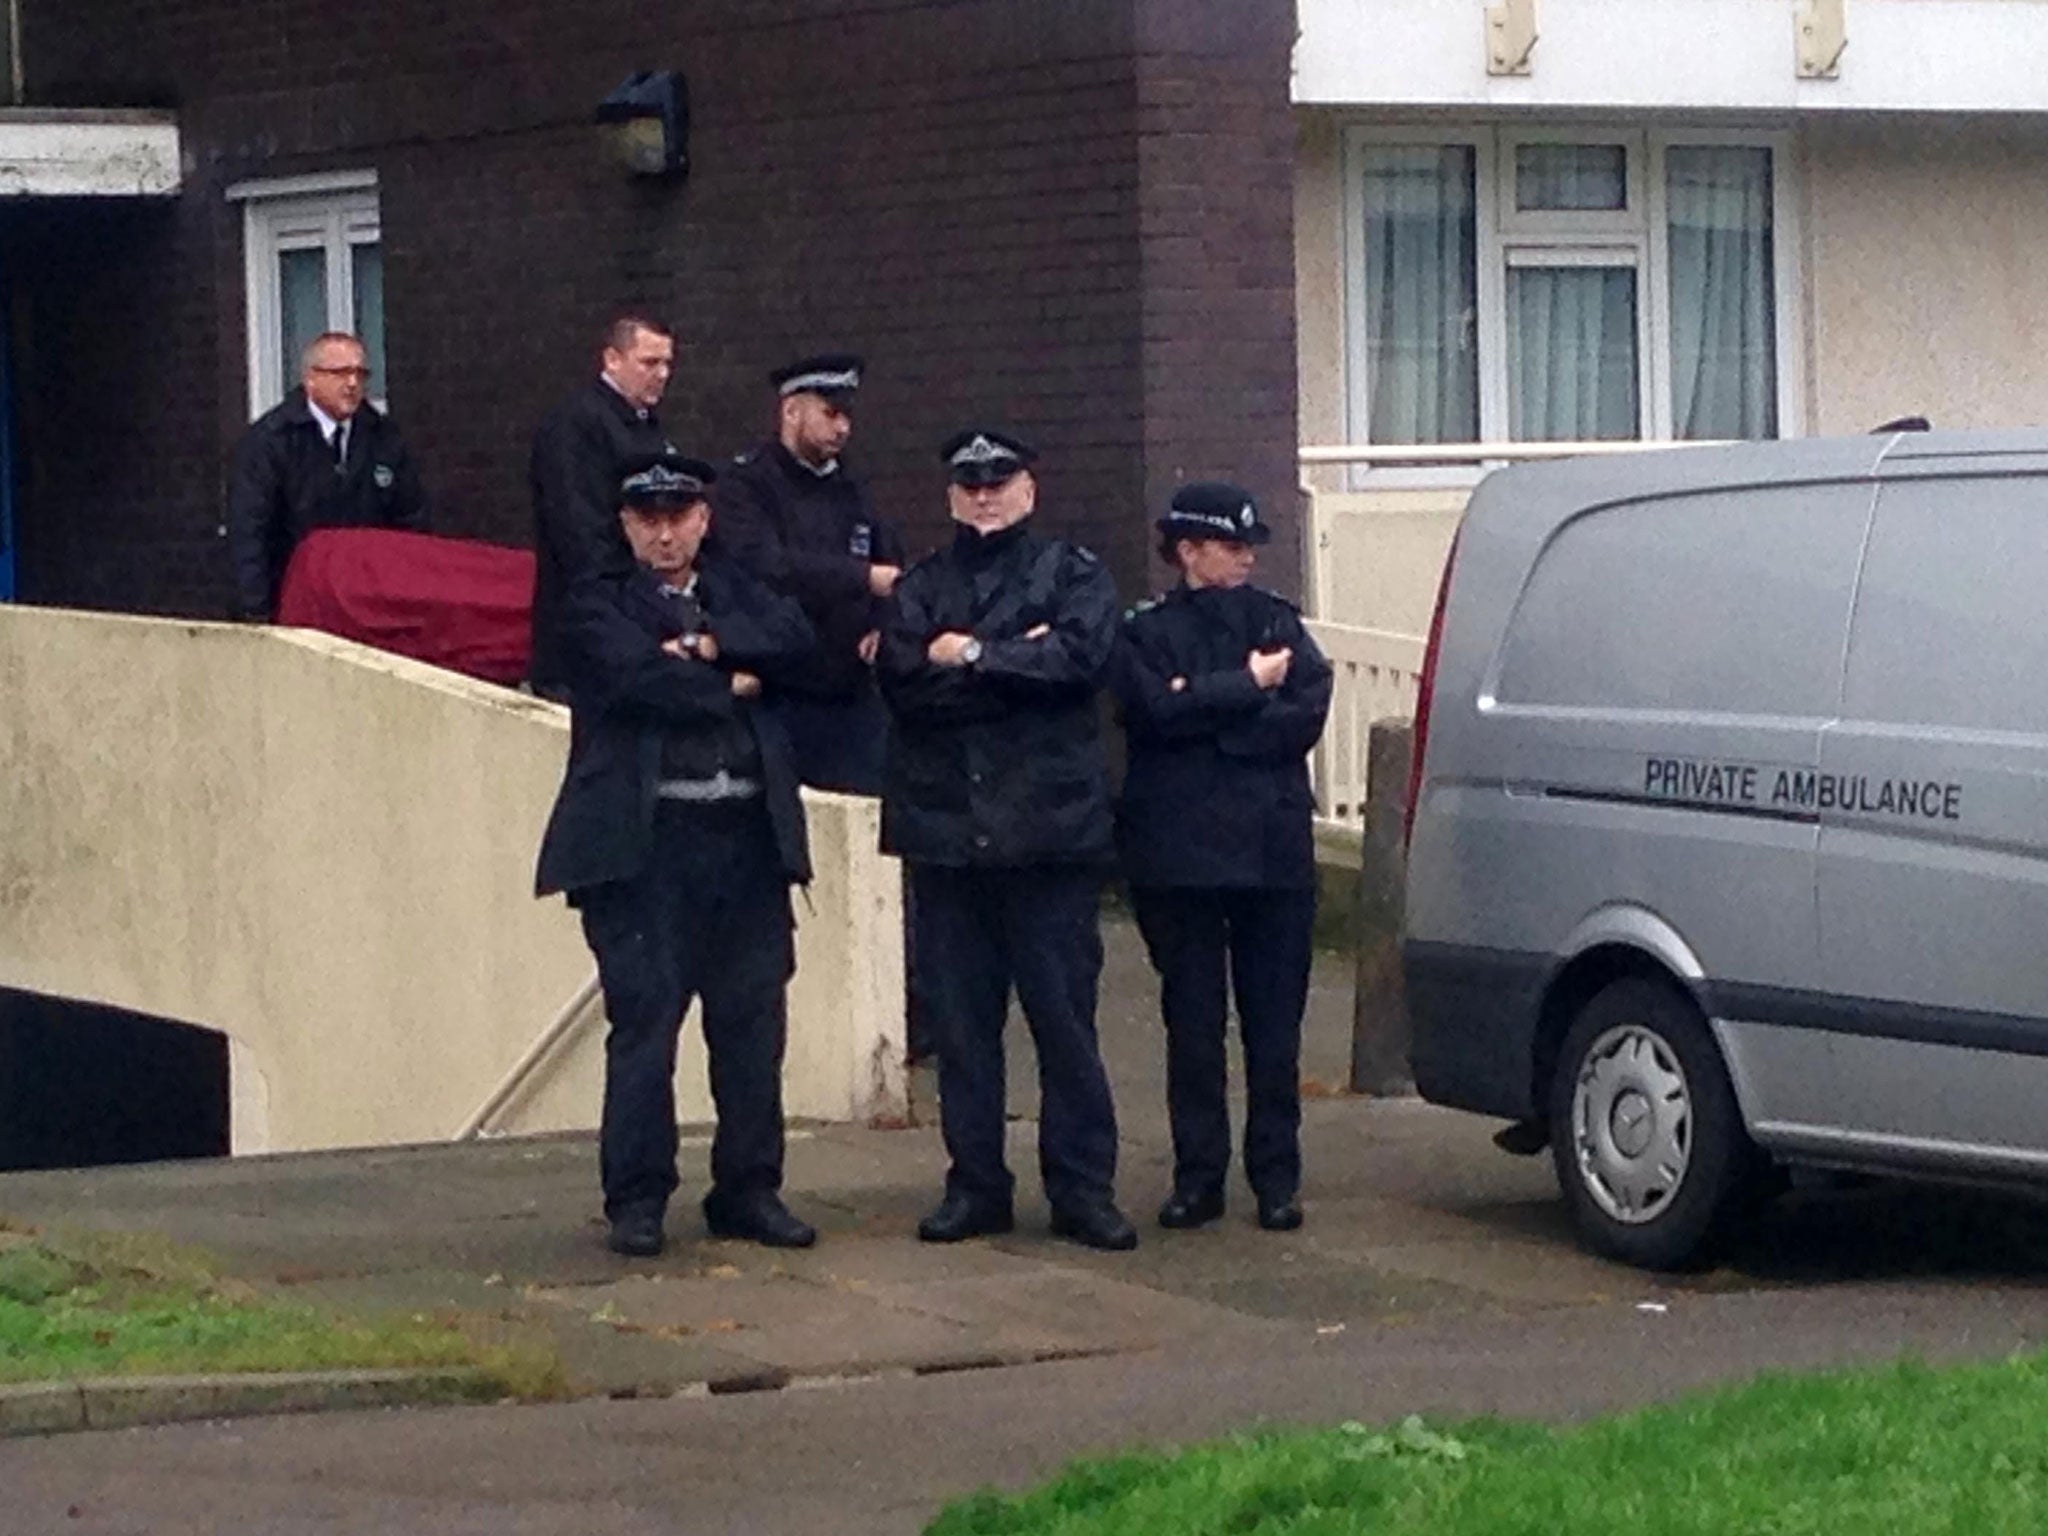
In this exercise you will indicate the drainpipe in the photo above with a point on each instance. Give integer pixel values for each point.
(17, 84)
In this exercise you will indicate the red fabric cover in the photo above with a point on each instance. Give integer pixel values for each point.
(452, 602)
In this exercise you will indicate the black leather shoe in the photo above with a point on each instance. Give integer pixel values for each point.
(1196, 1209)
(637, 1235)
(1279, 1213)
(1097, 1224)
(959, 1217)
(760, 1218)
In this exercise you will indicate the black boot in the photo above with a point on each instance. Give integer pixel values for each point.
(959, 1217)
(760, 1217)
(1094, 1224)
(1279, 1213)
(1191, 1208)
(636, 1234)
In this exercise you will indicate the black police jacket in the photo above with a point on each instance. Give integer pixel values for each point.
(580, 454)
(283, 483)
(811, 537)
(999, 763)
(629, 693)
(1216, 789)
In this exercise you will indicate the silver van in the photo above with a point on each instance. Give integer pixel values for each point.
(1729, 846)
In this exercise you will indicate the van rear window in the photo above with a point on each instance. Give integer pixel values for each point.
(1732, 602)
(1952, 619)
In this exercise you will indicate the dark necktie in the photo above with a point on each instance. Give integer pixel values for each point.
(340, 448)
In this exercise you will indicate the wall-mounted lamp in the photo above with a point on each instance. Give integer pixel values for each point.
(647, 121)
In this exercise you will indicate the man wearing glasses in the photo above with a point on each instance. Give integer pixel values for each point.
(325, 458)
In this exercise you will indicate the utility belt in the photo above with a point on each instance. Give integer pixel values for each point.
(722, 788)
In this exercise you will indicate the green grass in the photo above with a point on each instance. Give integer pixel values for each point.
(75, 1305)
(1905, 1451)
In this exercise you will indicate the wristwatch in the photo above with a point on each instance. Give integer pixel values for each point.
(970, 653)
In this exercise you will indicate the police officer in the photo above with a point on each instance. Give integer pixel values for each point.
(324, 458)
(997, 797)
(676, 835)
(794, 514)
(1223, 693)
(580, 454)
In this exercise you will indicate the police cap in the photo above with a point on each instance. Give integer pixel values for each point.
(835, 375)
(1214, 509)
(666, 480)
(985, 456)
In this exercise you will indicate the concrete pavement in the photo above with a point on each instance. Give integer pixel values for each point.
(1411, 1215)
(856, 1386)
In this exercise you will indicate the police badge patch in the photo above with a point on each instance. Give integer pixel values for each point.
(861, 544)
(384, 475)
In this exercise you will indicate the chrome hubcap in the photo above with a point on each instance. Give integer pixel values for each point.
(1632, 1123)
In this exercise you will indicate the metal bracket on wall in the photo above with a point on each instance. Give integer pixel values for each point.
(1510, 36)
(1820, 30)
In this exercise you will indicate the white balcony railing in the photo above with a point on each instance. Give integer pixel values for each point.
(1376, 676)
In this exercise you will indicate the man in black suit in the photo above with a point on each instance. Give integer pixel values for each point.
(580, 454)
(676, 835)
(324, 458)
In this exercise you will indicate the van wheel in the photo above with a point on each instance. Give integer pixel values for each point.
(1645, 1132)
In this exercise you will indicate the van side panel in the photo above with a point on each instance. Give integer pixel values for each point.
(1634, 734)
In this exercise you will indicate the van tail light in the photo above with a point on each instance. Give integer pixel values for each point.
(1425, 690)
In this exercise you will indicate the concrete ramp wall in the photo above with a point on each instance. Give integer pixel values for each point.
(326, 853)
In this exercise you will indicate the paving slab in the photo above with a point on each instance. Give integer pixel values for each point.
(607, 1356)
(796, 1326)
(862, 1265)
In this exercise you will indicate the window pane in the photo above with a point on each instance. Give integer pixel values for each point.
(1421, 294)
(1665, 605)
(366, 268)
(1965, 650)
(1723, 326)
(1571, 177)
(302, 305)
(1571, 353)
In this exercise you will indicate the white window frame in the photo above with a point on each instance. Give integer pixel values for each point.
(1490, 286)
(1787, 242)
(1505, 236)
(335, 212)
(1572, 223)
(1624, 257)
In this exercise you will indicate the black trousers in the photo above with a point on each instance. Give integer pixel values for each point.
(1206, 944)
(709, 917)
(980, 931)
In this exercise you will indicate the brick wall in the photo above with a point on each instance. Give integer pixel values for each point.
(1216, 165)
(1069, 215)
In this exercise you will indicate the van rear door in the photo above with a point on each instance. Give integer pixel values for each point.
(1930, 1043)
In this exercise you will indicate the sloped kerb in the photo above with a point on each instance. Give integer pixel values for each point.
(124, 1402)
